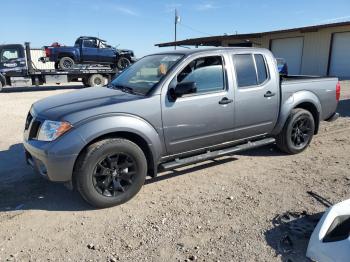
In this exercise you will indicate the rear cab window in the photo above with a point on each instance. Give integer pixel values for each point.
(251, 70)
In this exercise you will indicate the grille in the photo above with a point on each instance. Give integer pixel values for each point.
(28, 121)
(34, 129)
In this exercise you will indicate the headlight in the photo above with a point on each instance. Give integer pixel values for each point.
(50, 130)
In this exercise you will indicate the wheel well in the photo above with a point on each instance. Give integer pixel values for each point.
(138, 140)
(313, 110)
(66, 55)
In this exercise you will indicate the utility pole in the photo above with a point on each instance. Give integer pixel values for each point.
(177, 20)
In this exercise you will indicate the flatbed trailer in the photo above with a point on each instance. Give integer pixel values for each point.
(17, 69)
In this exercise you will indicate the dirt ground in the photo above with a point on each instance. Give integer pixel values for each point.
(221, 210)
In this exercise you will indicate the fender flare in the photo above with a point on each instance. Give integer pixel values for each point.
(72, 55)
(90, 130)
(294, 101)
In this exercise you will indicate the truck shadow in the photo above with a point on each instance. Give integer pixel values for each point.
(22, 189)
(39, 88)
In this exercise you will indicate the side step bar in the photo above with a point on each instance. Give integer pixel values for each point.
(179, 162)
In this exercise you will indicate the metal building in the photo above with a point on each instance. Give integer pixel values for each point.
(312, 50)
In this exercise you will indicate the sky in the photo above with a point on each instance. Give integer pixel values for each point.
(138, 25)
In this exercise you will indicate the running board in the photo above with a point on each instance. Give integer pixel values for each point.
(179, 162)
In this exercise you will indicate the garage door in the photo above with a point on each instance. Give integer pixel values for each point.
(291, 49)
(340, 56)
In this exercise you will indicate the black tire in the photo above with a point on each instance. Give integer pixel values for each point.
(123, 62)
(85, 82)
(66, 63)
(90, 174)
(297, 132)
(96, 80)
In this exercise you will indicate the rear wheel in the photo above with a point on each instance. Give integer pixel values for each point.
(110, 172)
(96, 80)
(297, 132)
(66, 63)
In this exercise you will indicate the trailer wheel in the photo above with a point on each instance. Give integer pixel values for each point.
(96, 80)
(66, 63)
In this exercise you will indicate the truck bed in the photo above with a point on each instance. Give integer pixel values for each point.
(322, 87)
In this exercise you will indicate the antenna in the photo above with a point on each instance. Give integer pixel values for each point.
(177, 20)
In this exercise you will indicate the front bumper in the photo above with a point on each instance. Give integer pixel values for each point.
(54, 160)
(57, 168)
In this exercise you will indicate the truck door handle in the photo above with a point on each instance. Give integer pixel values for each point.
(269, 94)
(225, 101)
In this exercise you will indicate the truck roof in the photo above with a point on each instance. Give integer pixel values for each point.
(213, 49)
(91, 37)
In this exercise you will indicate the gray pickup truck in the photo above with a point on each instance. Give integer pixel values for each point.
(169, 110)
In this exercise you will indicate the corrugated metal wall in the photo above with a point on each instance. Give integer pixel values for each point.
(316, 49)
(36, 53)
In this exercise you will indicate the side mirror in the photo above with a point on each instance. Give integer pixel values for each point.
(182, 89)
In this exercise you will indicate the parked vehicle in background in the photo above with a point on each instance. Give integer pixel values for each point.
(16, 69)
(282, 66)
(88, 50)
(169, 110)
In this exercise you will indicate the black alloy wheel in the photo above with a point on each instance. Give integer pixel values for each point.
(297, 132)
(301, 132)
(114, 174)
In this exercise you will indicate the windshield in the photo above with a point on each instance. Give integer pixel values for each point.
(146, 73)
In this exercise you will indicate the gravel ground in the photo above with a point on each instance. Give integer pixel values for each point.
(221, 210)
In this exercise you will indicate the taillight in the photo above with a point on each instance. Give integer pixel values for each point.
(337, 91)
(47, 52)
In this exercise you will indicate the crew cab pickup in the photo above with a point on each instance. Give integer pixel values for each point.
(88, 50)
(169, 110)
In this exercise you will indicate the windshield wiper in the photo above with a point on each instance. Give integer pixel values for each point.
(125, 89)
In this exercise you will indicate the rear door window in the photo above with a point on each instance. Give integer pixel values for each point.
(261, 68)
(251, 70)
(90, 43)
(245, 70)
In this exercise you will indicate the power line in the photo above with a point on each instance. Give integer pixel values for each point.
(193, 29)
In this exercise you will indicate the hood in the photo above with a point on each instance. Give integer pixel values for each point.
(58, 106)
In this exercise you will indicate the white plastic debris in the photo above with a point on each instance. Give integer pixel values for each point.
(330, 241)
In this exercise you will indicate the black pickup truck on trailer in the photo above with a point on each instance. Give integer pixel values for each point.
(16, 66)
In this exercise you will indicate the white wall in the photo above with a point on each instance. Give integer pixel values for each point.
(36, 54)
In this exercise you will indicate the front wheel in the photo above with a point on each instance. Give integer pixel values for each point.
(110, 172)
(297, 132)
(123, 63)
